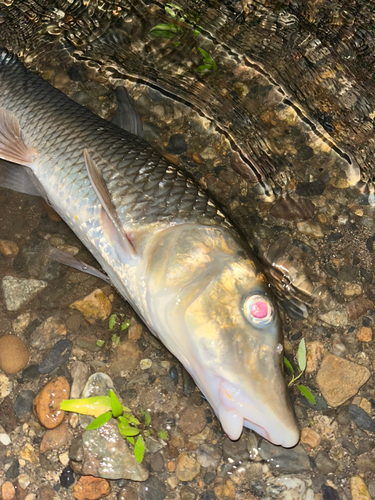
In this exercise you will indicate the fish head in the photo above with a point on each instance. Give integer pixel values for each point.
(237, 359)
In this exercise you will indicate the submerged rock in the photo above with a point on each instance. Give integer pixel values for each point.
(47, 402)
(289, 488)
(19, 291)
(285, 459)
(95, 306)
(14, 354)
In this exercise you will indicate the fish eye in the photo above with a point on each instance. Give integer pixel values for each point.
(259, 310)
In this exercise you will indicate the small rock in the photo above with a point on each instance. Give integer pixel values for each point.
(291, 209)
(14, 355)
(29, 454)
(361, 418)
(325, 426)
(339, 379)
(57, 356)
(364, 334)
(124, 358)
(208, 455)
(156, 462)
(24, 403)
(145, 364)
(47, 402)
(335, 318)
(135, 332)
(46, 493)
(187, 493)
(310, 437)
(8, 491)
(187, 468)
(20, 324)
(9, 249)
(5, 386)
(91, 488)
(310, 228)
(19, 291)
(324, 463)
(127, 493)
(153, 489)
(177, 144)
(352, 290)
(80, 372)
(358, 489)
(48, 333)
(348, 274)
(294, 460)
(192, 420)
(289, 488)
(225, 490)
(95, 306)
(55, 438)
(24, 481)
(7, 416)
(235, 451)
(172, 482)
(30, 373)
(358, 307)
(314, 354)
(14, 469)
(67, 477)
(188, 383)
(4, 439)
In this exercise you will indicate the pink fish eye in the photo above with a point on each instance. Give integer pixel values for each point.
(258, 310)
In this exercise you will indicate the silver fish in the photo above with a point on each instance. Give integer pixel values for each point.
(164, 245)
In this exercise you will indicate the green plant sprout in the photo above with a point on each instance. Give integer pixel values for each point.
(301, 358)
(172, 29)
(208, 63)
(118, 319)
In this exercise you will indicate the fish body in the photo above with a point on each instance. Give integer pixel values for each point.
(164, 245)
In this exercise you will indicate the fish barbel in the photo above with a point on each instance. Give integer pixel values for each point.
(164, 245)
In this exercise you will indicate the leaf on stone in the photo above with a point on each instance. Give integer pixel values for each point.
(139, 449)
(307, 393)
(116, 406)
(99, 421)
(301, 355)
(94, 406)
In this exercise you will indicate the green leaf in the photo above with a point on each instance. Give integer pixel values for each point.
(132, 419)
(126, 430)
(116, 406)
(288, 365)
(99, 421)
(139, 449)
(125, 324)
(307, 393)
(112, 321)
(301, 355)
(115, 339)
(206, 55)
(165, 30)
(100, 343)
(94, 406)
(163, 435)
(147, 418)
(196, 31)
(131, 440)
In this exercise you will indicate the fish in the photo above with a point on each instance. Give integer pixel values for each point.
(164, 245)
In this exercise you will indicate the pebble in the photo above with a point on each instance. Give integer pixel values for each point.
(324, 463)
(329, 493)
(135, 332)
(127, 493)
(352, 290)
(7, 416)
(310, 228)
(48, 333)
(192, 420)
(208, 455)
(293, 210)
(310, 438)
(24, 403)
(95, 306)
(289, 488)
(29, 454)
(172, 482)
(188, 493)
(227, 490)
(177, 144)
(9, 249)
(80, 373)
(106, 454)
(20, 324)
(314, 354)
(47, 402)
(235, 451)
(57, 356)
(64, 458)
(128, 351)
(325, 426)
(361, 418)
(358, 307)
(46, 493)
(145, 364)
(339, 379)
(24, 481)
(19, 291)
(13, 470)
(335, 318)
(5, 439)
(31, 372)
(55, 438)
(14, 354)
(293, 460)
(153, 489)
(5, 386)
(358, 489)
(364, 334)
(187, 467)
(91, 488)
(8, 491)
(188, 384)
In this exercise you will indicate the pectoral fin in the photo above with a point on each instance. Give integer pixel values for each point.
(18, 178)
(127, 116)
(12, 146)
(110, 220)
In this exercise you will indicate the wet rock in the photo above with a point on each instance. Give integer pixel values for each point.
(14, 469)
(145, 364)
(320, 402)
(156, 462)
(127, 493)
(352, 290)
(19, 291)
(66, 477)
(106, 454)
(76, 449)
(173, 373)
(310, 438)
(7, 416)
(235, 450)
(48, 333)
(124, 358)
(227, 490)
(177, 144)
(361, 418)
(8, 491)
(95, 306)
(188, 383)
(348, 274)
(47, 402)
(358, 307)
(324, 463)
(80, 373)
(46, 493)
(55, 438)
(285, 487)
(31, 372)
(91, 488)
(14, 354)
(153, 489)
(24, 403)
(153, 445)
(329, 493)
(339, 379)
(293, 460)
(135, 332)
(58, 356)
(192, 420)
(314, 188)
(358, 489)
(325, 426)
(335, 318)
(98, 384)
(187, 467)
(38, 264)
(5, 386)
(293, 210)
(314, 354)
(311, 229)
(208, 455)
(364, 334)
(188, 493)
(8, 248)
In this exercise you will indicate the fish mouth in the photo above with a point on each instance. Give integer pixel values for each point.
(236, 410)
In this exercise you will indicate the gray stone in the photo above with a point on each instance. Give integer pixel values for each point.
(57, 356)
(361, 418)
(291, 488)
(235, 450)
(153, 489)
(285, 459)
(80, 373)
(324, 463)
(208, 455)
(24, 403)
(19, 291)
